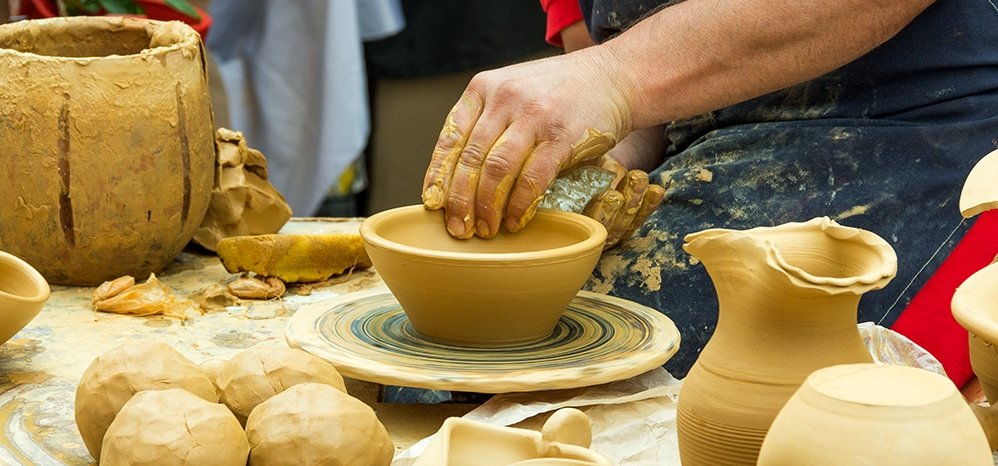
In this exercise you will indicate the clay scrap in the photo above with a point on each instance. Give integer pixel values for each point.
(123, 296)
(294, 258)
(243, 201)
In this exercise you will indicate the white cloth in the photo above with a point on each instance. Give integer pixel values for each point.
(294, 74)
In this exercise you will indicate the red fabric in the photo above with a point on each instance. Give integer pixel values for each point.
(928, 319)
(561, 13)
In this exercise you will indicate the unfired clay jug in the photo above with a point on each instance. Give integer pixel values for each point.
(788, 298)
(108, 150)
(875, 414)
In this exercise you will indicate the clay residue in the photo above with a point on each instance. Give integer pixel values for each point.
(638, 263)
(243, 201)
(857, 210)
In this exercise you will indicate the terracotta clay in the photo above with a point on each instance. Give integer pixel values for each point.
(107, 137)
(564, 440)
(23, 293)
(980, 192)
(294, 258)
(875, 414)
(174, 427)
(315, 424)
(788, 299)
(111, 380)
(255, 375)
(211, 368)
(243, 202)
(505, 290)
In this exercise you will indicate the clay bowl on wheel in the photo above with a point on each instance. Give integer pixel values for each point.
(23, 292)
(505, 290)
(975, 307)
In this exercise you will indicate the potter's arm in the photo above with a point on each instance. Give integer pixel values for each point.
(701, 55)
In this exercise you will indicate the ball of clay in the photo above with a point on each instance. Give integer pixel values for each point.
(315, 424)
(115, 376)
(256, 374)
(174, 427)
(211, 368)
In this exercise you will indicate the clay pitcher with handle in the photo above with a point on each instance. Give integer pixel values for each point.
(788, 298)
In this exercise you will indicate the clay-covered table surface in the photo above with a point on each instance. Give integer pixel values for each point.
(41, 366)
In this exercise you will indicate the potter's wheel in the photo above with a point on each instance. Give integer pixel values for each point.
(600, 339)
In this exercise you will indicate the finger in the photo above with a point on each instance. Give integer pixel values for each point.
(609, 163)
(635, 185)
(649, 203)
(499, 171)
(542, 167)
(593, 144)
(450, 143)
(604, 207)
(539, 170)
(461, 195)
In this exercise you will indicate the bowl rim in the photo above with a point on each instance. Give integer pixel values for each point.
(596, 239)
(43, 287)
(974, 320)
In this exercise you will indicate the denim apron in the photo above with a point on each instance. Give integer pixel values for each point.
(883, 143)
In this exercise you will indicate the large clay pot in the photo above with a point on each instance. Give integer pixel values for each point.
(788, 298)
(108, 154)
(875, 414)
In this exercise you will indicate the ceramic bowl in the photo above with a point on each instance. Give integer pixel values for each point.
(975, 307)
(506, 290)
(23, 292)
(875, 414)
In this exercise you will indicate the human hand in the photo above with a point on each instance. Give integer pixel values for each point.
(624, 207)
(514, 129)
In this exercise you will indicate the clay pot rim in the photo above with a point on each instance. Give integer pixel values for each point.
(595, 240)
(873, 279)
(113, 23)
(975, 320)
(39, 281)
(815, 392)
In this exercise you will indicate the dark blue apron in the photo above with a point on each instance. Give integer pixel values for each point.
(884, 143)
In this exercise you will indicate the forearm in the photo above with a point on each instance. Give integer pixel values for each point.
(701, 55)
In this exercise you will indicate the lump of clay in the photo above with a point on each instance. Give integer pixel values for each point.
(115, 376)
(243, 202)
(174, 427)
(315, 424)
(294, 258)
(211, 368)
(145, 299)
(254, 375)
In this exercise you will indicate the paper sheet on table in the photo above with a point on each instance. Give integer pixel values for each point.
(634, 420)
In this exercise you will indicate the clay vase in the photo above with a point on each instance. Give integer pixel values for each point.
(875, 414)
(975, 308)
(108, 148)
(23, 292)
(788, 298)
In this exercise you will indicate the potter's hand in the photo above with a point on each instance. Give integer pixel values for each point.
(626, 205)
(514, 129)
(631, 198)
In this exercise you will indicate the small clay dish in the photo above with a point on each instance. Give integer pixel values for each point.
(23, 292)
(506, 290)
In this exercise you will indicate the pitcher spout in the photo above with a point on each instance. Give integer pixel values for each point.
(819, 254)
